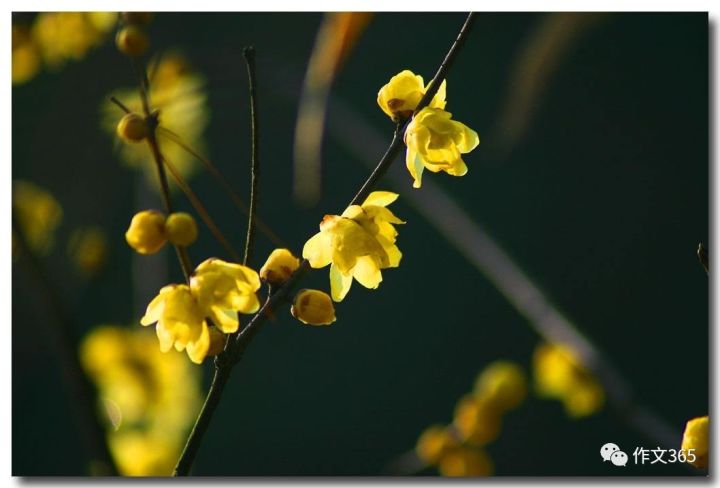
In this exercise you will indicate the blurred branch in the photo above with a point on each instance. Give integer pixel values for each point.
(336, 37)
(234, 351)
(534, 66)
(83, 395)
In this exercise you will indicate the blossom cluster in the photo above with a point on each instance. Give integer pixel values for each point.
(457, 449)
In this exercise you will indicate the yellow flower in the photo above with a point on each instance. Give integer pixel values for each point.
(88, 249)
(222, 289)
(279, 266)
(313, 307)
(434, 443)
(503, 383)
(181, 229)
(38, 214)
(63, 36)
(559, 374)
(146, 233)
(357, 244)
(150, 398)
(26, 60)
(697, 436)
(436, 142)
(399, 98)
(180, 322)
(477, 420)
(465, 462)
(132, 128)
(180, 97)
(143, 454)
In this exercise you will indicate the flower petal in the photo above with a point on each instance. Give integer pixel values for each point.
(339, 283)
(318, 250)
(367, 272)
(380, 198)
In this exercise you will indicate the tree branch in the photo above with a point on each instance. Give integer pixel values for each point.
(237, 345)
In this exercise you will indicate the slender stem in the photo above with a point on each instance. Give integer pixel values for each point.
(82, 391)
(249, 54)
(236, 345)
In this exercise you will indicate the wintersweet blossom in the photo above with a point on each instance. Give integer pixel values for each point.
(696, 437)
(560, 374)
(222, 289)
(401, 95)
(436, 142)
(357, 244)
(180, 322)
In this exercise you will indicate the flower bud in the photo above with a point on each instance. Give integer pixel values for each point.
(696, 437)
(217, 341)
(434, 443)
(181, 229)
(132, 40)
(313, 307)
(503, 383)
(132, 128)
(146, 233)
(139, 18)
(279, 266)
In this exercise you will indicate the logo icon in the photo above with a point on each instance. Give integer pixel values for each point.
(611, 452)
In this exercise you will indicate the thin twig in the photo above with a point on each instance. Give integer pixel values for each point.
(249, 55)
(83, 393)
(235, 350)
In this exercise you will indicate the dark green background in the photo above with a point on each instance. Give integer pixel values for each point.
(602, 203)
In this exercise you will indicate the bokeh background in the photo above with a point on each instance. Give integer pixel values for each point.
(592, 174)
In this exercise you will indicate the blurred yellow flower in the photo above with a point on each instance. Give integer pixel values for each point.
(180, 322)
(401, 95)
(179, 96)
(465, 462)
(38, 214)
(357, 244)
(278, 268)
(150, 398)
(88, 249)
(26, 62)
(503, 384)
(477, 420)
(559, 374)
(313, 307)
(434, 443)
(436, 142)
(697, 437)
(223, 289)
(64, 36)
